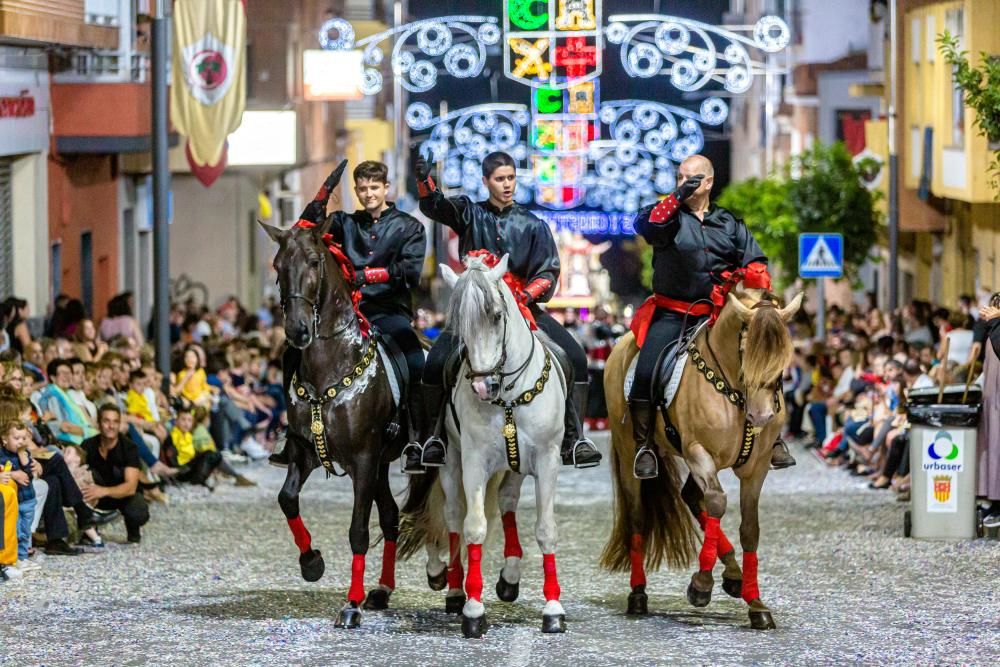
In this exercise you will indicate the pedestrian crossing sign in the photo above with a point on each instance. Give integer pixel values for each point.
(821, 255)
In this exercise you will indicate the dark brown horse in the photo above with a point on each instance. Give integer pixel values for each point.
(340, 407)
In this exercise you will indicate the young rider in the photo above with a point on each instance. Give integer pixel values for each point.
(694, 242)
(500, 226)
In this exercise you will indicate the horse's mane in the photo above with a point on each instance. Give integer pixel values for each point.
(768, 347)
(474, 300)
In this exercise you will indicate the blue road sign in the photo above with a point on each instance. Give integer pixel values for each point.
(821, 255)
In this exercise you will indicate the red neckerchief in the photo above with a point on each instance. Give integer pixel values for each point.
(515, 284)
(347, 270)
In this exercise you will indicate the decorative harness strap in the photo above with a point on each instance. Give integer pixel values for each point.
(509, 430)
(317, 403)
(734, 395)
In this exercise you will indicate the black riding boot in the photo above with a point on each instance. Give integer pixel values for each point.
(434, 449)
(780, 456)
(645, 465)
(577, 449)
(418, 423)
(290, 360)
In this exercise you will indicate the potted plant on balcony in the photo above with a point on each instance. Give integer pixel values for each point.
(981, 86)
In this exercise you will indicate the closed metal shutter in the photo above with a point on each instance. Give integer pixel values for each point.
(6, 231)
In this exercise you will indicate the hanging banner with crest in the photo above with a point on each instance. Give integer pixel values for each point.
(208, 91)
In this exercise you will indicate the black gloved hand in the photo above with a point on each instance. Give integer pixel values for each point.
(421, 169)
(688, 187)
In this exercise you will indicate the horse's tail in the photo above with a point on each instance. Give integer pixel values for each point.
(650, 510)
(422, 518)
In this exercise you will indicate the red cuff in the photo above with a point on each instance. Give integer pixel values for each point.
(307, 224)
(537, 288)
(665, 210)
(376, 275)
(425, 188)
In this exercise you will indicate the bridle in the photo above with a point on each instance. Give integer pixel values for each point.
(313, 303)
(765, 302)
(497, 370)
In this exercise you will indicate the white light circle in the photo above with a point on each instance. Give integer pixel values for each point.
(683, 74)
(402, 62)
(704, 61)
(616, 32)
(419, 115)
(654, 141)
(371, 81)
(672, 37)
(608, 114)
(649, 54)
(489, 33)
(735, 54)
(444, 130)
(345, 35)
(665, 181)
(471, 168)
(771, 34)
(462, 61)
(626, 154)
(463, 135)
(645, 116)
(609, 169)
(689, 126)
(504, 136)
(633, 175)
(452, 174)
(423, 75)
(738, 79)
(521, 117)
(434, 39)
(662, 163)
(373, 56)
(714, 111)
(484, 122)
(669, 130)
(519, 152)
(627, 132)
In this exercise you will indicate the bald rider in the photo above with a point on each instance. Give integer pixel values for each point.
(694, 242)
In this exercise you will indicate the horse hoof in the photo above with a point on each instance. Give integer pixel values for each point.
(349, 617)
(312, 565)
(474, 628)
(554, 624)
(761, 620)
(638, 604)
(454, 603)
(439, 581)
(378, 599)
(506, 591)
(733, 587)
(698, 598)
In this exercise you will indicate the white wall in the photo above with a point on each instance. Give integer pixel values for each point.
(31, 230)
(831, 30)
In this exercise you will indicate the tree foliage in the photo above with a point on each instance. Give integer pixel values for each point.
(819, 190)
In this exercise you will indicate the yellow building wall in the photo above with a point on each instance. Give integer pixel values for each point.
(928, 97)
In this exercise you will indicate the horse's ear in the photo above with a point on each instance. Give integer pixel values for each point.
(498, 271)
(275, 233)
(323, 228)
(788, 312)
(737, 305)
(450, 277)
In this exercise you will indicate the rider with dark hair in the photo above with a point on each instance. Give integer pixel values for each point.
(694, 242)
(386, 247)
(500, 226)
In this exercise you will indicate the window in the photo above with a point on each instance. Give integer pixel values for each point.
(931, 38)
(955, 24)
(915, 35)
(55, 268)
(6, 230)
(87, 271)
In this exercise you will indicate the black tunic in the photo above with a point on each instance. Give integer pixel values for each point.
(689, 254)
(396, 243)
(514, 231)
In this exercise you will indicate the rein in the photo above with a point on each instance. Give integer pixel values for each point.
(497, 370)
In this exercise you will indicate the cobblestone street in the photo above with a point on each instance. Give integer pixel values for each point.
(216, 582)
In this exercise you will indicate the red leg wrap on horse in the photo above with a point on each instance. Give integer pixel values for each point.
(710, 547)
(750, 590)
(388, 577)
(511, 543)
(455, 562)
(474, 580)
(303, 540)
(551, 586)
(725, 546)
(635, 555)
(357, 592)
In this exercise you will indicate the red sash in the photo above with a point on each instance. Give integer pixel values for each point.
(753, 276)
(515, 284)
(347, 270)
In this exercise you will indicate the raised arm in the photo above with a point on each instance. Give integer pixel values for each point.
(450, 211)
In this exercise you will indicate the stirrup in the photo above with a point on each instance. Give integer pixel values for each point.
(432, 442)
(644, 450)
(583, 443)
(405, 457)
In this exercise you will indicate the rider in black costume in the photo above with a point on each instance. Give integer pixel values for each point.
(694, 242)
(500, 226)
(386, 248)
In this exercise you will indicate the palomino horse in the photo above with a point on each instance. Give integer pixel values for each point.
(511, 410)
(342, 402)
(724, 412)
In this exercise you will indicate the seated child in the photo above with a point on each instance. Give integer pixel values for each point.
(14, 459)
(198, 453)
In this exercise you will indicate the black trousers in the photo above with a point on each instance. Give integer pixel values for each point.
(665, 329)
(399, 328)
(63, 492)
(134, 509)
(446, 342)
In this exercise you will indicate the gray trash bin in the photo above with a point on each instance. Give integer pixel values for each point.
(943, 463)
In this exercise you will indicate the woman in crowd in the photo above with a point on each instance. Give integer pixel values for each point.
(120, 321)
(17, 323)
(88, 345)
(988, 443)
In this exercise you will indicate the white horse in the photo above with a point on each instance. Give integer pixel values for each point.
(511, 395)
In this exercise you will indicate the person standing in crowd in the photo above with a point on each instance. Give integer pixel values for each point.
(17, 324)
(988, 439)
(501, 227)
(114, 463)
(120, 321)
